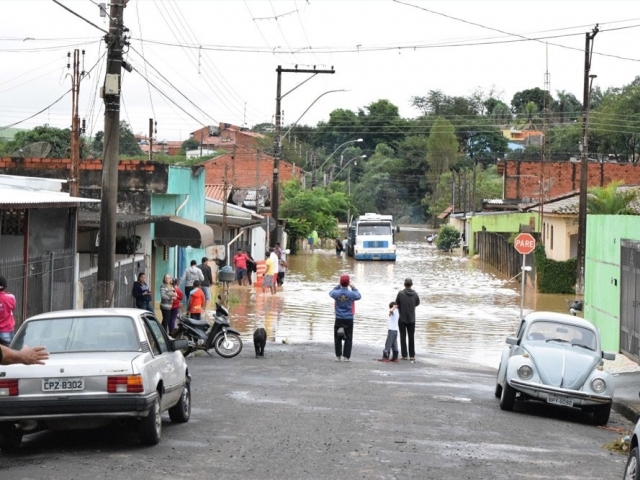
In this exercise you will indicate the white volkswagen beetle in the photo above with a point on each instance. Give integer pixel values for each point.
(556, 358)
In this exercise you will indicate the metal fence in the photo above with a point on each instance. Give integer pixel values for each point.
(126, 271)
(44, 284)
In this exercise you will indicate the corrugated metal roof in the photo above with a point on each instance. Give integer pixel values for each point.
(24, 196)
(216, 191)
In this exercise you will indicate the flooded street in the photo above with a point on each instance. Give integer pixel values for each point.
(466, 310)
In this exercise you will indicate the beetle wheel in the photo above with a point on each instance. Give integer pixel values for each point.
(508, 397)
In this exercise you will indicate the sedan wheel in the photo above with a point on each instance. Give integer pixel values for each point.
(151, 426)
(508, 397)
(632, 470)
(181, 411)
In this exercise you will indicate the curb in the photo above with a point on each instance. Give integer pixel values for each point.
(629, 410)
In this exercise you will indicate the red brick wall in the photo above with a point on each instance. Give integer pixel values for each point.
(247, 169)
(7, 164)
(522, 178)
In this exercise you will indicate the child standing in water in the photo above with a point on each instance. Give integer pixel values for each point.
(391, 345)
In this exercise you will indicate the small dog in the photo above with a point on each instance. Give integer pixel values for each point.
(260, 341)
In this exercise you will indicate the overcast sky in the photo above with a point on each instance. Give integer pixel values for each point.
(380, 49)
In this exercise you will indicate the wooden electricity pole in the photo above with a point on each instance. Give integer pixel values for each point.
(109, 203)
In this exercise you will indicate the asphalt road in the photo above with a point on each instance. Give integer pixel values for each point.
(298, 414)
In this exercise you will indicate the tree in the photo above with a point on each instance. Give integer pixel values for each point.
(448, 238)
(58, 138)
(442, 152)
(536, 95)
(482, 142)
(189, 144)
(380, 122)
(611, 200)
(128, 143)
(567, 107)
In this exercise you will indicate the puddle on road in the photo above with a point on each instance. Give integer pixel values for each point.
(466, 309)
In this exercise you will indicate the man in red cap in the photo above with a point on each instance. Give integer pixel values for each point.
(345, 295)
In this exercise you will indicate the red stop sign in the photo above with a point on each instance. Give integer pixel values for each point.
(524, 243)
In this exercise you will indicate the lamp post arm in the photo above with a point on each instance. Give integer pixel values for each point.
(338, 148)
(303, 113)
(347, 164)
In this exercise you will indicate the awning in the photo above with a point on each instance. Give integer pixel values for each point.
(180, 232)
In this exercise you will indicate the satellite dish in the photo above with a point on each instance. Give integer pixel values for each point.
(34, 150)
(238, 196)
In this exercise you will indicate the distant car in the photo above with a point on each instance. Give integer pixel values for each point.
(632, 470)
(557, 359)
(104, 364)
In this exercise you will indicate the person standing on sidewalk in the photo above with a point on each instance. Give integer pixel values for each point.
(167, 294)
(142, 293)
(391, 345)
(345, 296)
(196, 301)
(189, 276)
(407, 301)
(205, 284)
(7, 306)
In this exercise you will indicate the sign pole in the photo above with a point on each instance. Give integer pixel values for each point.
(522, 278)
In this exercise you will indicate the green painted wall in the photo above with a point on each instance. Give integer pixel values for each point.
(501, 222)
(602, 272)
(182, 185)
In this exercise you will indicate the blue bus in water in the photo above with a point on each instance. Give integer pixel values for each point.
(372, 237)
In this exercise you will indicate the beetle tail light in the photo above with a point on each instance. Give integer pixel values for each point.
(125, 384)
(9, 388)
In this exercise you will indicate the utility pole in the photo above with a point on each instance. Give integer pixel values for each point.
(151, 139)
(74, 181)
(277, 142)
(109, 204)
(582, 211)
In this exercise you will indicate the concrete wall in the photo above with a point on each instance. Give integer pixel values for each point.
(602, 272)
(560, 234)
(501, 222)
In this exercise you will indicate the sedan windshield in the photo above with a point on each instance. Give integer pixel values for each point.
(80, 334)
(561, 332)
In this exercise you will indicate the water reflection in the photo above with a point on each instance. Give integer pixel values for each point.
(466, 309)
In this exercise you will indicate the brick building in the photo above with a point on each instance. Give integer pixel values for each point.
(521, 179)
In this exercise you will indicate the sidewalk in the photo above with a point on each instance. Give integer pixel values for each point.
(626, 400)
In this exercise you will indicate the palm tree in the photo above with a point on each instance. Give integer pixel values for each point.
(609, 201)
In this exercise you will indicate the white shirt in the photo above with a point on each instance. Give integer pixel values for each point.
(283, 258)
(393, 320)
(274, 259)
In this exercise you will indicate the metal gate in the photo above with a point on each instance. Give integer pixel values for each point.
(630, 298)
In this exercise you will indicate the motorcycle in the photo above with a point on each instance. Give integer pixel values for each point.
(575, 307)
(202, 336)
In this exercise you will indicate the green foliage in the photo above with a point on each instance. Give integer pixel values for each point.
(317, 209)
(554, 276)
(536, 96)
(448, 238)
(128, 143)
(189, 144)
(609, 200)
(60, 140)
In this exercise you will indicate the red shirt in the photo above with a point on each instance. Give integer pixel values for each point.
(240, 261)
(7, 306)
(196, 301)
(178, 299)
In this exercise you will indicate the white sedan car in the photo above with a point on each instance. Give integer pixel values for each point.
(104, 364)
(557, 359)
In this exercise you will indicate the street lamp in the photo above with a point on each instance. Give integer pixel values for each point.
(348, 162)
(338, 148)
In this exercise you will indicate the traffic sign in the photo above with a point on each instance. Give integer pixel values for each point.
(524, 243)
(268, 224)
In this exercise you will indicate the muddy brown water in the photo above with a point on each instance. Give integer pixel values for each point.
(466, 308)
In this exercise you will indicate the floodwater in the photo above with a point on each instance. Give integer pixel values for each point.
(466, 309)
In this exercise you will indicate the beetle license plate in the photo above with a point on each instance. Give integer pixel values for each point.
(564, 401)
(62, 384)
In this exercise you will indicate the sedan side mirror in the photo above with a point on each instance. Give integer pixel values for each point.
(608, 356)
(180, 344)
(512, 341)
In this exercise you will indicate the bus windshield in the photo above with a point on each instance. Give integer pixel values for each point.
(374, 229)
